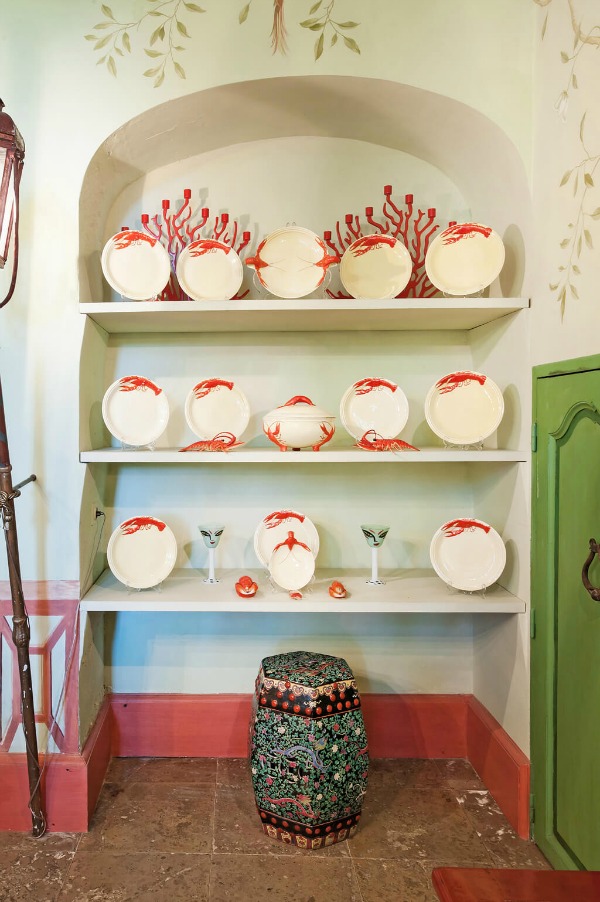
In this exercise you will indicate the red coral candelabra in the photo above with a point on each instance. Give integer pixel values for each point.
(175, 232)
(414, 230)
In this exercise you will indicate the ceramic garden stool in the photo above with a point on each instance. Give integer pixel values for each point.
(308, 749)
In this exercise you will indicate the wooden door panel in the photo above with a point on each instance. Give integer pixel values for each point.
(566, 652)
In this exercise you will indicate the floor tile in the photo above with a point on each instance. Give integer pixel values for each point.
(162, 770)
(234, 772)
(140, 817)
(36, 876)
(254, 878)
(416, 772)
(459, 774)
(415, 825)
(380, 881)
(124, 876)
(238, 829)
(49, 842)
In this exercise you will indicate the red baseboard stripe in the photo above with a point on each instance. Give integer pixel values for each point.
(216, 726)
(500, 763)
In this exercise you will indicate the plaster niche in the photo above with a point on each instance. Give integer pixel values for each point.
(371, 125)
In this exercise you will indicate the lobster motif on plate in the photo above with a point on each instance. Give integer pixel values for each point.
(364, 386)
(458, 380)
(366, 244)
(224, 441)
(127, 238)
(457, 527)
(138, 383)
(279, 517)
(137, 523)
(207, 246)
(202, 389)
(464, 230)
(372, 441)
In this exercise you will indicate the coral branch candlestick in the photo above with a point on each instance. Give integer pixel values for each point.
(211, 536)
(375, 536)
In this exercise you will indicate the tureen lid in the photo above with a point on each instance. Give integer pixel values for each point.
(300, 407)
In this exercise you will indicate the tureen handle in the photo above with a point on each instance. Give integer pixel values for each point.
(298, 399)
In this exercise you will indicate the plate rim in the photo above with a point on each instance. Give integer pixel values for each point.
(190, 397)
(291, 588)
(398, 242)
(184, 255)
(133, 296)
(111, 390)
(480, 436)
(470, 289)
(115, 535)
(347, 393)
(315, 543)
(491, 533)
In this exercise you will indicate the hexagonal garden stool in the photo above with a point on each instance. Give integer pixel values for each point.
(309, 753)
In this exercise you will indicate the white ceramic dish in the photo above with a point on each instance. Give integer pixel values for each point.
(274, 529)
(135, 410)
(142, 552)
(291, 262)
(136, 265)
(299, 424)
(374, 404)
(464, 259)
(292, 564)
(468, 554)
(216, 407)
(375, 266)
(208, 269)
(464, 408)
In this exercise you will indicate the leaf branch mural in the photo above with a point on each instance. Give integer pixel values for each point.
(164, 29)
(581, 177)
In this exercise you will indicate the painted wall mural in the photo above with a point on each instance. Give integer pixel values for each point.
(580, 179)
(163, 30)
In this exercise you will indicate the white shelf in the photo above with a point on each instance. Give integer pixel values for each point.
(409, 591)
(274, 456)
(310, 315)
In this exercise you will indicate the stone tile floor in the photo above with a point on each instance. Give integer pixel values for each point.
(187, 829)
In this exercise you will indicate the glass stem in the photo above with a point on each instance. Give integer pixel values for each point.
(374, 568)
(211, 564)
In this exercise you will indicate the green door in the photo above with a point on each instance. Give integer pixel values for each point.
(565, 664)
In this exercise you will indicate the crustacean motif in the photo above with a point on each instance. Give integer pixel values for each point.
(458, 380)
(139, 383)
(137, 523)
(372, 441)
(258, 263)
(224, 441)
(273, 431)
(363, 245)
(207, 385)
(246, 587)
(127, 238)
(279, 517)
(364, 386)
(291, 541)
(464, 230)
(337, 589)
(456, 527)
(207, 246)
(301, 802)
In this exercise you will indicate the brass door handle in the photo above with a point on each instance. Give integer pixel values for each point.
(594, 550)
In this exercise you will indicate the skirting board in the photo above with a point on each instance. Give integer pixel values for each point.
(216, 726)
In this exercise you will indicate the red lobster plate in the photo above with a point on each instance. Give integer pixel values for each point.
(142, 552)
(136, 265)
(467, 554)
(375, 266)
(464, 259)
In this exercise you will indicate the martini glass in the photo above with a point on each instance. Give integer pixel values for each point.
(211, 536)
(375, 535)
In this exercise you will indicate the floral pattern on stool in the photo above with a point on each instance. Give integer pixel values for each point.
(309, 753)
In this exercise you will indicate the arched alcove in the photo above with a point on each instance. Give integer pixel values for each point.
(470, 150)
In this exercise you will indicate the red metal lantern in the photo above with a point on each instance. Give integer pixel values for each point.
(12, 154)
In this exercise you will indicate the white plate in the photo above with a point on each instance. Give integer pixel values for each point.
(292, 564)
(465, 258)
(291, 262)
(464, 408)
(136, 265)
(467, 554)
(274, 529)
(135, 410)
(374, 404)
(208, 269)
(142, 552)
(375, 266)
(216, 406)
